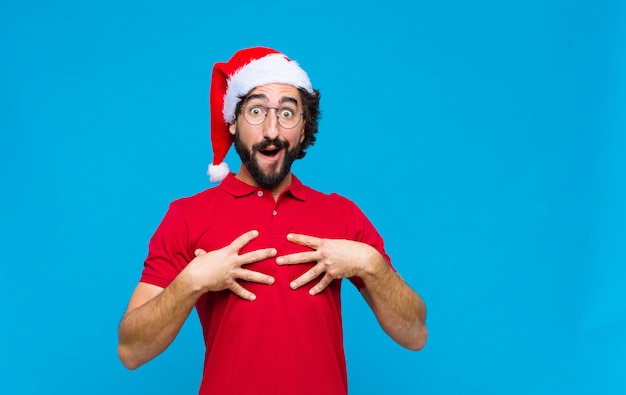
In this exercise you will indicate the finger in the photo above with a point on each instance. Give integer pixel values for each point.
(299, 257)
(305, 240)
(307, 277)
(199, 252)
(242, 292)
(244, 239)
(257, 255)
(255, 277)
(324, 282)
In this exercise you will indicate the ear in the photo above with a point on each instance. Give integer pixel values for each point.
(302, 132)
(232, 128)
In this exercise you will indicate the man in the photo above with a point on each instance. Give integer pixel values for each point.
(261, 256)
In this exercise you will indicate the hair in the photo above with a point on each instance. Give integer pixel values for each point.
(311, 106)
(311, 113)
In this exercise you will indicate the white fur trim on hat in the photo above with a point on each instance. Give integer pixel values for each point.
(217, 173)
(270, 69)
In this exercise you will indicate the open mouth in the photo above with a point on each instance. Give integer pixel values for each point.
(271, 152)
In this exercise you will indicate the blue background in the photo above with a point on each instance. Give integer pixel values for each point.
(485, 140)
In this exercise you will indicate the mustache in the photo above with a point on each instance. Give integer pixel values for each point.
(277, 143)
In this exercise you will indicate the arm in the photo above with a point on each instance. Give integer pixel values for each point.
(152, 320)
(399, 310)
(155, 315)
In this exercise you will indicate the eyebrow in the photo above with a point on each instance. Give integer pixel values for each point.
(284, 99)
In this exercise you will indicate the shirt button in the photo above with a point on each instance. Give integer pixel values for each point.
(260, 193)
(274, 212)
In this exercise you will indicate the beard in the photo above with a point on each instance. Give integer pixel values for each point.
(278, 171)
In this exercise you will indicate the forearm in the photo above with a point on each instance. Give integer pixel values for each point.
(400, 311)
(147, 330)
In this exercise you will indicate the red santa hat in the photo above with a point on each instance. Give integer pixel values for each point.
(247, 69)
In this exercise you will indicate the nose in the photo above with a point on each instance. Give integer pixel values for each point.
(270, 125)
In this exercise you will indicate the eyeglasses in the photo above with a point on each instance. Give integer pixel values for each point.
(255, 114)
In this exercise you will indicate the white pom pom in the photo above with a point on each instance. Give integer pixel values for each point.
(219, 172)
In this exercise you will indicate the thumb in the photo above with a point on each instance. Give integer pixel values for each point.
(199, 252)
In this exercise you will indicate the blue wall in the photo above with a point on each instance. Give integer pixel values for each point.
(485, 140)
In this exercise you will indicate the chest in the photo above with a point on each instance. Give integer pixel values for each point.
(215, 227)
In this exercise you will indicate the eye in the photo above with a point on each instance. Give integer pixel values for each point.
(256, 111)
(286, 113)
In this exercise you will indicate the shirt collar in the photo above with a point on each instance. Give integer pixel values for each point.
(238, 188)
(296, 189)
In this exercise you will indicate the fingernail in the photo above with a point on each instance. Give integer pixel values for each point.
(270, 281)
(252, 297)
(293, 285)
(280, 261)
(274, 252)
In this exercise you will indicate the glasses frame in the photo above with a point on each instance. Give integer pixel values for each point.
(278, 117)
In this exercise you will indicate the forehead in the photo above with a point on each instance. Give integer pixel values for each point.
(276, 92)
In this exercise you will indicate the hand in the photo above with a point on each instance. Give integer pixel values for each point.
(334, 257)
(220, 269)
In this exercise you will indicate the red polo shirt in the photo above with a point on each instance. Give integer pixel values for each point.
(286, 341)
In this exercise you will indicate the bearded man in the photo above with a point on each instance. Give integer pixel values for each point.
(261, 256)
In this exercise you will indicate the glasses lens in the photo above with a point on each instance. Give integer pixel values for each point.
(288, 117)
(254, 114)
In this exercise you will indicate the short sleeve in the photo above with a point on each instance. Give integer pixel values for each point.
(168, 251)
(364, 231)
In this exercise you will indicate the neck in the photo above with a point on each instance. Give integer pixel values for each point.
(244, 175)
